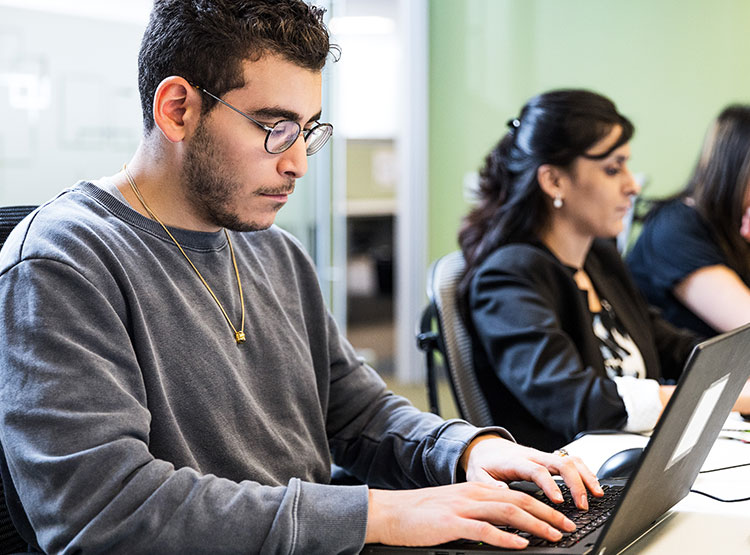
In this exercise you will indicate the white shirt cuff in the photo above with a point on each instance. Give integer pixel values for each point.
(642, 402)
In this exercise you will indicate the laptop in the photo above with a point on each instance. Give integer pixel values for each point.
(713, 378)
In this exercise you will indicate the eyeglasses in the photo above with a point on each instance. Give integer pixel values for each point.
(283, 134)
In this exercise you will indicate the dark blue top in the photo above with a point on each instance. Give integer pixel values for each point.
(675, 241)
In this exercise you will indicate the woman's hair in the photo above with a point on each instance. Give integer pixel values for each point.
(554, 128)
(719, 183)
(206, 41)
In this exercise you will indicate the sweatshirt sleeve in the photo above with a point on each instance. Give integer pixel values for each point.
(380, 437)
(74, 425)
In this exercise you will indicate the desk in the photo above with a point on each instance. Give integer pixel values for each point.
(699, 525)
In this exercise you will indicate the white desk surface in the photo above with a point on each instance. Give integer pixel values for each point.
(699, 525)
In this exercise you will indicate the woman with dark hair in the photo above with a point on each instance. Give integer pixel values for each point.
(692, 259)
(563, 341)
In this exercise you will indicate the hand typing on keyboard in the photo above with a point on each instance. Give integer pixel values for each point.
(473, 510)
(586, 521)
(485, 462)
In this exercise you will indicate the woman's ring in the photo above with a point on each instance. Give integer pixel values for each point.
(560, 452)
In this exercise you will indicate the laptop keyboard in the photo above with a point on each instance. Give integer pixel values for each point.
(586, 521)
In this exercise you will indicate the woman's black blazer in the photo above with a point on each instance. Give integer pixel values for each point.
(535, 352)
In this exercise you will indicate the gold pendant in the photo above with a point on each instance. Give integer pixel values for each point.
(239, 336)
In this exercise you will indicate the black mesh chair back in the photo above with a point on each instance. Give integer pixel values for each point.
(10, 540)
(442, 330)
(9, 218)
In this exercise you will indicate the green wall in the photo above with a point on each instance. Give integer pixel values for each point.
(669, 65)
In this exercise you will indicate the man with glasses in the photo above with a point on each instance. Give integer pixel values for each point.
(170, 378)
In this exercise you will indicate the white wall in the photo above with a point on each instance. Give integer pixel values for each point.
(69, 105)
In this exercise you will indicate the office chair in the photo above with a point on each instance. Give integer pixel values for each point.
(443, 331)
(9, 218)
(10, 540)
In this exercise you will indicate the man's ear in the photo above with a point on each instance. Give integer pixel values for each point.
(550, 180)
(177, 108)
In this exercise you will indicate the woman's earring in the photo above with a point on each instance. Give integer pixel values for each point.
(558, 201)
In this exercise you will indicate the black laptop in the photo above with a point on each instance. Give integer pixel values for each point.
(710, 384)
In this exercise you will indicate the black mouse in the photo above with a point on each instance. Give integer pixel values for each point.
(621, 464)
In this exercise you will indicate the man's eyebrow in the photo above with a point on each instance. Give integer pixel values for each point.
(281, 113)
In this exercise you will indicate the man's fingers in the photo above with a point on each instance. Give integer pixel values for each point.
(578, 478)
(589, 478)
(484, 477)
(540, 475)
(539, 518)
(473, 511)
(518, 510)
(481, 531)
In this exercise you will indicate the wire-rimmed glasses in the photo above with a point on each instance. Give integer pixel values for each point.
(282, 135)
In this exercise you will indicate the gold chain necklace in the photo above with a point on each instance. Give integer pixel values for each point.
(239, 335)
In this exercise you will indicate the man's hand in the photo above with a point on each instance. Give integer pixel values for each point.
(431, 516)
(490, 458)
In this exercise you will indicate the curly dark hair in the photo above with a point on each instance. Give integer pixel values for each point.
(206, 41)
(555, 128)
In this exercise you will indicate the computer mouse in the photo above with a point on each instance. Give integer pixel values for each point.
(621, 464)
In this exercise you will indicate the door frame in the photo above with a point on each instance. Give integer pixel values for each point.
(412, 146)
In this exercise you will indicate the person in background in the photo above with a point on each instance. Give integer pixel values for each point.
(170, 378)
(692, 257)
(563, 341)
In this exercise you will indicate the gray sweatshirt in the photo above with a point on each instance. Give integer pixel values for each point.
(132, 422)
